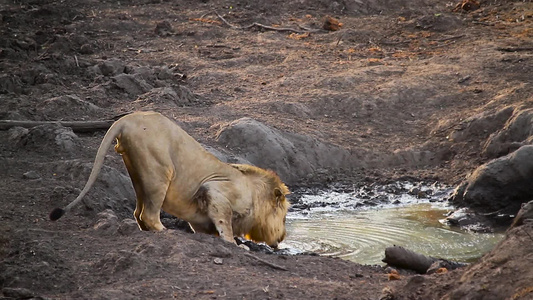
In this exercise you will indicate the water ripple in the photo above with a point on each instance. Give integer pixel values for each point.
(363, 235)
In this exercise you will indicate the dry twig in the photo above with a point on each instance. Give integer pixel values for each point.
(514, 49)
(339, 40)
(255, 24)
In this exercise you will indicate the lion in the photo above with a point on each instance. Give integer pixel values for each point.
(173, 172)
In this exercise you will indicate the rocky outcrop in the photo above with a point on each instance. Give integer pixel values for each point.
(292, 156)
(516, 132)
(500, 185)
(298, 158)
(481, 125)
(45, 138)
(54, 108)
(112, 190)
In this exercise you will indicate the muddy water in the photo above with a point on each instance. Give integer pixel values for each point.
(361, 234)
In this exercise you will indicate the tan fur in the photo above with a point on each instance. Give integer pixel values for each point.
(171, 171)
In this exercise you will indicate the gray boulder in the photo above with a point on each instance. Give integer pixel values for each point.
(516, 132)
(292, 156)
(133, 85)
(500, 185)
(481, 125)
(58, 107)
(176, 95)
(45, 138)
(112, 189)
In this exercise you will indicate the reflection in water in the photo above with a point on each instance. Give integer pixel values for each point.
(362, 235)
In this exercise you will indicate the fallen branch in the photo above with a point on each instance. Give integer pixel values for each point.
(255, 24)
(514, 49)
(390, 43)
(483, 23)
(77, 126)
(400, 257)
(266, 262)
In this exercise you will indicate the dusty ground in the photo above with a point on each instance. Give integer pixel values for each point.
(398, 75)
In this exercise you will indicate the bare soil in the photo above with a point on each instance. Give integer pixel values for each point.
(398, 76)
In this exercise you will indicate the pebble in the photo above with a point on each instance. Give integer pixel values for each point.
(31, 175)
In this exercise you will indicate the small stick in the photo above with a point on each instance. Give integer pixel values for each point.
(483, 23)
(514, 49)
(340, 38)
(266, 262)
(205, 15)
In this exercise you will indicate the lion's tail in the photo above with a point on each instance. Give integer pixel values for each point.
(113, 132)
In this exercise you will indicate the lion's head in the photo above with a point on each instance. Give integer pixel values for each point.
(272, 229)
(270, 206)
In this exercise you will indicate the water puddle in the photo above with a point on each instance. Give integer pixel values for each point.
(359, 225)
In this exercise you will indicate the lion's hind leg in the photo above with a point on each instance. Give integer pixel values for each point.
(138, 211)
(152, 201)
(147, 211)
(150, 188)
(139, 192)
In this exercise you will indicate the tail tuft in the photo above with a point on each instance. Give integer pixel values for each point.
(56, 214)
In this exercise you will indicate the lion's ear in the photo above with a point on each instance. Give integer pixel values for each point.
(279, 196)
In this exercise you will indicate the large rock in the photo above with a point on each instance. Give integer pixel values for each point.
(132, 84)
(480, 125)
(298, 158)
(502, 184)
(110, 67)
(112, 189)
(58, 107)
(45, 139)
(516, 132)
(292, 156)
(176, 95)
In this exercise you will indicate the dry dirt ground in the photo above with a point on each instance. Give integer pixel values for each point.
(397, 75)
